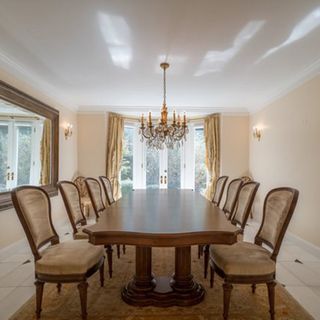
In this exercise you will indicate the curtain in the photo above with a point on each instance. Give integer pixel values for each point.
(212, 142)
(45, 153)
(114, 152)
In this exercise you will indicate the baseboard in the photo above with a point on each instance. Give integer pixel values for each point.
(306, 245)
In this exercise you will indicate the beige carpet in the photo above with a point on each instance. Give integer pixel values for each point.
(106, 303)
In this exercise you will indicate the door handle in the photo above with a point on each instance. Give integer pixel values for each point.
(165, 179)
(8, 176)
(12, 175)
(161, 179)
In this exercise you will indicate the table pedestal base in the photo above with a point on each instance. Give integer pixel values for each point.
(146, 290)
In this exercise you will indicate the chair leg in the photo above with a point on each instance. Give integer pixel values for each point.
(200, 250)
(206, 260)
(271, 286)
(253, 288)
(39, 293)
(118, 251)
(211, 276)
(124, 249)
(109, 257)
(101, 271)
(59, 287)
(227, 288)
(83, 287)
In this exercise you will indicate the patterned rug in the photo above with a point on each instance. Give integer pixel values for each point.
(105, 303)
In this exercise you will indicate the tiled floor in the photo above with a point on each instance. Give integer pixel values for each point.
(302, 280)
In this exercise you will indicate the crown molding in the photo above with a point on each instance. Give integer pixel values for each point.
(310, 72)
(21, 73)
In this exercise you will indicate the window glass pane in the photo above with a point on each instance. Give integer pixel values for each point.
(24, 154)
(3, 156)
(152, 168)
(200, 182)
(127, 160)
(174, 168)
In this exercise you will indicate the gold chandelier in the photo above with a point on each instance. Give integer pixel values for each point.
(161, 135)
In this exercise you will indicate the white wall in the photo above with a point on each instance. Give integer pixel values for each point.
(289, 154)
(10, 228)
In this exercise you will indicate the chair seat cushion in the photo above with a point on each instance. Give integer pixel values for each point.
(69, 258)
(243, 259)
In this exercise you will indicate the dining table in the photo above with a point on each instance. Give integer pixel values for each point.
(162, 218)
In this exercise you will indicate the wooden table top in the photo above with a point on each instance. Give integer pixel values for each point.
(162, 218)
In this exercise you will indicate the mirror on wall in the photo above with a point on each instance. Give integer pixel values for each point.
(28, 143)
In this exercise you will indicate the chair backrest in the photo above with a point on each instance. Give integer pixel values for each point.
(94, 190)
(278, 209)
(80, 183)
(220, 185)
(33, 208)
(245, 200)
(106, 184)
(232, 197)
(72, 201)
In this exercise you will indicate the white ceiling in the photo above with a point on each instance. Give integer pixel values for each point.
(230, 55)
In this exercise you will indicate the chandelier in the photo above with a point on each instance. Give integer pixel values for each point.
(162, 134)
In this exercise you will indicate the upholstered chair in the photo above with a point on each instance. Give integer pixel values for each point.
(71, 198)
(220, 185)
(107, 188)
(71, 261)
(218, 193)
(240, 217)
(95, 194)
(85, 199)
(232, 197)
(106, 185)
(244, 205)
(251, 263)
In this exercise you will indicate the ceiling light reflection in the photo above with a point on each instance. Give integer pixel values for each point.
(214, 61)
(304, 27)
(117, 35)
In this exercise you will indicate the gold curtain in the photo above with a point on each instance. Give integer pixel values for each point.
(45, 153)
(114, 152)
(212, 142)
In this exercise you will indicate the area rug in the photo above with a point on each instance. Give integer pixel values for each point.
(105, 303)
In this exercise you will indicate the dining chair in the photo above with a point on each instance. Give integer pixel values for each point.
(240, 217)
(232, 197)
(106, 185)
(219, 188)
(251, 263)
(85, 200)
(95, 194)
(218, 193)
(66, 262)
(71, 198)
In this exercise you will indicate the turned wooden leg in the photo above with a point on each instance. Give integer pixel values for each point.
(118, 251)
(271, 286)
(211, 276)
(253, 288)
(206, 260)
(109, 257)
(82, 287)
(39, 293)
(124, 249)
(59, 287)
(101, 271)
(227, 288)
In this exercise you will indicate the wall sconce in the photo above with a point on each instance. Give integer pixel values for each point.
(257, 133)
(68, 131)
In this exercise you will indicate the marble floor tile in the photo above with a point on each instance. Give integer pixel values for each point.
(17, 276)
(285, 277)
(7, 267)
(5, 292)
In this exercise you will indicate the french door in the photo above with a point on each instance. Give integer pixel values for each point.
(164, 168)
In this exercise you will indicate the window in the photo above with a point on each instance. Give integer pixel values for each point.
(200, 181)
(126, 178)
(19, 153)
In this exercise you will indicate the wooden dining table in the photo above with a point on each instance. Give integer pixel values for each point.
(162, 218)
